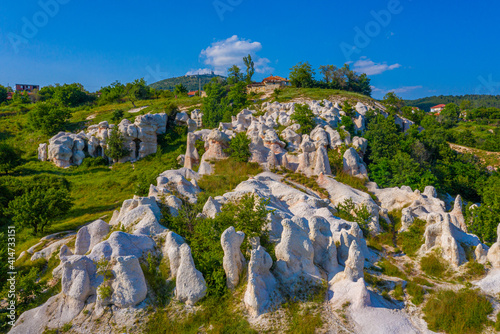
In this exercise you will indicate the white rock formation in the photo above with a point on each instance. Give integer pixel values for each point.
(171, 249)
(42, 152)
(494, 252)
(128, 286)
(353, 165)
(90, 235)
(295, 255)
(261, 283)
(190, 285)
(233, 260)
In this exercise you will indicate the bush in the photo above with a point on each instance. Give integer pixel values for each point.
(465, 311)
(411, 240)
(93, 162)
(37, 207)
(9, 158)
(304, 117)
(48, 117)
(117, 115)
(116, 149)
(239, 148)
(360, 214)
(203, 235)
(416, 292)
(433, 265)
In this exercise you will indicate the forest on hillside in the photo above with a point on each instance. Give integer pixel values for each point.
(426, 103)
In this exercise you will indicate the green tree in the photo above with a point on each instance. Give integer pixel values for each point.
(383, 137)
(9, 158)
(483, 220)
(304, 117)
(237, 97)
(328, 72)
(392, 100)
(302, 75)
(465, 105)
(449, 116)
(3, 94)
(180, 89)
(234, 75)
(117, 115)
(116, 146)
(137, 90)
(214, 104)
(112, 93)
(48, 117)
(70, 95)
(239, 147)
(38, 206)
(250, 68)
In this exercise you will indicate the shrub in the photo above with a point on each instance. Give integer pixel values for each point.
(390, 269)
(156, 273)
(116, 149)
(433, 265)
(304, 117)
(48, 117)
(239, 148)
(37, 207)
(9, 158)
(465, 311)
(360, 214)
(473, 270)
(117, 115)
(416, 292)
(411, 240)
(93, 162)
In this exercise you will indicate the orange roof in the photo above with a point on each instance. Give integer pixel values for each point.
(439, 106)
(273, 78)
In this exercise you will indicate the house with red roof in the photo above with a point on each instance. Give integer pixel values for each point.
(437, 109)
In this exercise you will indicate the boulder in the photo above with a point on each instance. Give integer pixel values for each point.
(190, 285)
(295, 255)
(353, 165)
(42, 152)
(355, 263)
(122, 244)
(494, 252)
(171, 249)
(90, 235)
(129, 286)
(211, 208)
(325, 251)
(261, 283)
(233, 260)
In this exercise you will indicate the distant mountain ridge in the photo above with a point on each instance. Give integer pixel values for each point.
(477, 101)
(189, 81)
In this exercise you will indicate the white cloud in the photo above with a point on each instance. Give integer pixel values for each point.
(366, 65)
(223, 54)
(400, 90)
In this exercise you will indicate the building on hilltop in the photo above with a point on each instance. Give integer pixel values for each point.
(438, 108)
(268, 84)
(26, 88)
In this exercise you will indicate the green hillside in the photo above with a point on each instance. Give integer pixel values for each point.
(477, 101)
(189, 81)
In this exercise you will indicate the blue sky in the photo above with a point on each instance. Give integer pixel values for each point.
(415, 47)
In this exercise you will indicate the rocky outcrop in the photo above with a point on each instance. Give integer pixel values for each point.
(325, 251)
(457, 215)
(295, 255)
(190, 286)
(67, 149)
(191, 158)
(233, 260)
(355, 263)
(353, 165)
(261, 283)
(140, 215)
(90, 235)
(494, 252)
(42, 152)
(172, 250)
(129, 285)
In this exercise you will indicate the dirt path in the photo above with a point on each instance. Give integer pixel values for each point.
(489, 158)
